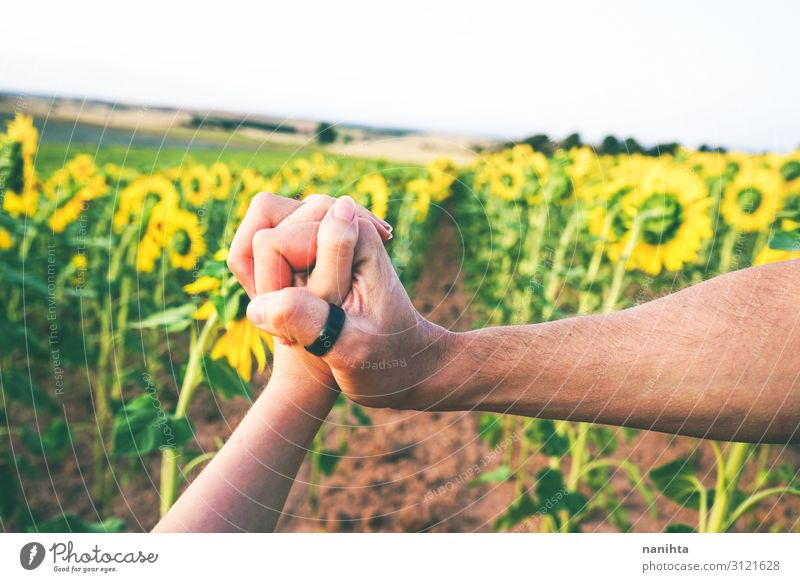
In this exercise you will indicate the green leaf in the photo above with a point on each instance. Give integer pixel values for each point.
(790, 170)
(679, 528)
(628, 434)
(15, 385)
(498, 475)
(360, 415)
(543, 433)
(30, 282)
(785, 241)
(141, 426)
(522, 508)
(677, 480)
(490, 429)
(174, 319)
(605, 439)
(553, 496)
(227, 307)
(223, 380)
(327, 460)
(52, 442)
(74, 524)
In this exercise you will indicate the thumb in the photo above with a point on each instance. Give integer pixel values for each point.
(293, 313)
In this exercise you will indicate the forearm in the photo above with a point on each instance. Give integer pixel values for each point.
(717, 360)
(246, 484)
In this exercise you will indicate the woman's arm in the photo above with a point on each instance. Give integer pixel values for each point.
(246, 484)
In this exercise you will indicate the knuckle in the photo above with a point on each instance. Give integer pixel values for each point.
(262, 240)
(262, 199)
(337, 238)
(288, 306)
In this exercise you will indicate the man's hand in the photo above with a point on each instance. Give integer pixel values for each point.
(387, 352)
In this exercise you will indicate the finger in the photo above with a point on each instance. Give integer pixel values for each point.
(315, 206)
(279, 252)
(293, 313)
(265, 211)
(336, 241)
(370, 252)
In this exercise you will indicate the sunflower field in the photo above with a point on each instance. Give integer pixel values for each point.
(118, 300)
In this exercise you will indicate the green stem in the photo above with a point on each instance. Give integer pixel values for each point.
(703, 519)
(191, 379)
(734, 464)
(726, 252)
(578, 456)
(756, 498)
(103, 407)
(554, 278)
(196, 462)
(594, 264)
(621, 267)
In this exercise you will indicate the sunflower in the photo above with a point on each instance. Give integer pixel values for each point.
(134, 199)
(374, 188)
(441, 175)
(672, 206)
(66, 214)
(420, 190)
(220, 181)
(119, 174)
(322, 168)
(203, 284)
(21, 184)
(240, 343)
(768, 255)
(296, 174)
(185, 241)
(196, 184)
(502, 178)
(6, 242)
(751, 200)
(22, 131)
(250, 183)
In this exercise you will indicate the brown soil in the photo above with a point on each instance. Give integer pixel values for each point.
(403, 473)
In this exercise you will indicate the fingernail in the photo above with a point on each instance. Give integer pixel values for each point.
(344, 209)
(255, 311)
(285, 342)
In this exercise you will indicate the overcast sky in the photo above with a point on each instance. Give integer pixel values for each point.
(696, 72)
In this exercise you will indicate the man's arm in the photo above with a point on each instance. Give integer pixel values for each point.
(718, 360)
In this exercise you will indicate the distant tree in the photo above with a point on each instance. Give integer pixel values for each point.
(326, 133)
(632, 146)
(663, 149)
(610, 146)
(573, 140)
(712, 149)
(540, 143)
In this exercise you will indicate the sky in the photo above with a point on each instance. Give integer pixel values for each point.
(696, 72)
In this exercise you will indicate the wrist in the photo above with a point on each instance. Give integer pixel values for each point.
(442, 385)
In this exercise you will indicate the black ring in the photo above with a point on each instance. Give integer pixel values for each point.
(330, 333)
